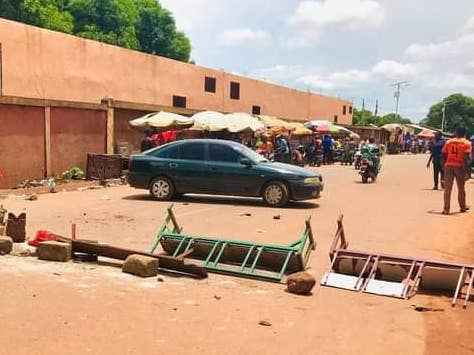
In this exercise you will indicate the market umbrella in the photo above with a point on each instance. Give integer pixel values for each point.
(211, 121)
(141, 123)
(300, 129)
(240, 122)
(323, 126)
(426, 133)
(161, 120)
(347, 131)
(275, 123)
(392, 127)
(165, 119)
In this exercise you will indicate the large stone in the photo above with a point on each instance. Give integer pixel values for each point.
(140, 265)
(16, 227)
(54, 251)
(6, 245)
(300, 283)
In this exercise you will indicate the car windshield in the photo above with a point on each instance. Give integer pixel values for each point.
(249, 153)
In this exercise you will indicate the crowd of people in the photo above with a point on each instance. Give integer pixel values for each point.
(406, 142)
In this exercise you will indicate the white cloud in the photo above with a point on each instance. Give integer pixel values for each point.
(336, 80)
(238, 36)
(397, 70)
(469, 26)
(311, 18)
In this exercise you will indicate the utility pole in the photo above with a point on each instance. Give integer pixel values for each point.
(443, 120)
(376, 107)
(397, 93)
(363, 108)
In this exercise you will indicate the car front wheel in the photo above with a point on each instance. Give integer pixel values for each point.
(162, 189)
(276, 194)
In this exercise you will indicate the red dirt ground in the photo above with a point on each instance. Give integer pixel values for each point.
(76, 308)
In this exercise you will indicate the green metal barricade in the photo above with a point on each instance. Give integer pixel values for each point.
(240, 258)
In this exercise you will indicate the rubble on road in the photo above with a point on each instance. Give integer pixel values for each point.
(6, 245)
(140, 265)
(300, 283)
(16, 227)
(54, 251)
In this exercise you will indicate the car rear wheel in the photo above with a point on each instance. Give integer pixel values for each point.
(276, 194)
(162, 189)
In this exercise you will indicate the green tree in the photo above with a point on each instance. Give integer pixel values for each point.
(136, 24)
(459, 111)
(368, 118)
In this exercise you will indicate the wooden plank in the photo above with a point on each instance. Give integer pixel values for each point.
(47, 141)
(109, 251)
(110, 131)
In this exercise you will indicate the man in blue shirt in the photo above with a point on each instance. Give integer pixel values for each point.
(435, 158)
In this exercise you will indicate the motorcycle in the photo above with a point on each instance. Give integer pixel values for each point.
(357, 159)
(368, 169)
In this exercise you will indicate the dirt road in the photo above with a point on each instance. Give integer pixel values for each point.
(50, 308)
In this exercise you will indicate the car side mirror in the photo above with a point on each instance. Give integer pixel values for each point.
(246, 162)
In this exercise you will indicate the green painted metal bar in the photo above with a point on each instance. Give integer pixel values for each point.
(220, 253)
(211, 253)
(256, 259)
(247, 257)
(176, 251)
(285, 264)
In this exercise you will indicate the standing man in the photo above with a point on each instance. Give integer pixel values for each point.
(456, 153)
(435, 158)
(328, 146)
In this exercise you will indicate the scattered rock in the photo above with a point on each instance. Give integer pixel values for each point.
(245, 214)
(277, 216)
(54, 251)
(160, 279)
(260, 231)
(217, 297)
(300, 283)
(265, 323)
(6, 245)
(32, 197)
(140, 265)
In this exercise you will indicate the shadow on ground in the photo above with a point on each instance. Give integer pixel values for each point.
(222, 200)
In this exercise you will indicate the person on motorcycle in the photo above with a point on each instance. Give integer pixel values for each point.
(371, 151)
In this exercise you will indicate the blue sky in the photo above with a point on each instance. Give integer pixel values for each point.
(353, 49)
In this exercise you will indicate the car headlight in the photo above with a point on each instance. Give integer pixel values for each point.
(313, 180)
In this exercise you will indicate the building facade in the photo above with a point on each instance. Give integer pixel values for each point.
(64, 96)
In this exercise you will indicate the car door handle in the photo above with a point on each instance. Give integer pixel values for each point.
(173, 165)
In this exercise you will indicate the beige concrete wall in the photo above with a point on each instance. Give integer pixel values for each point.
(43, 64)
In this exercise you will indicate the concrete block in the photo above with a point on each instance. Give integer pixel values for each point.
(6, 245)
(140, 265)
(54, 251)
(300, 283)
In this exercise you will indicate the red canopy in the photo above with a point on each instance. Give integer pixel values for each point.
(426, 133)
(322, 129)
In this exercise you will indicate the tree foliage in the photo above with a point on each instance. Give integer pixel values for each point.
(459, 111)
(136, 24)
(366, 118)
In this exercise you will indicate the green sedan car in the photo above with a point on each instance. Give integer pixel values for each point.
(219, 167)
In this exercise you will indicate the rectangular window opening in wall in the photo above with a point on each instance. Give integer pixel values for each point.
(209, 84)
(350, 110)
(344, 109)
(179, 101)
(234, 90)
(255, 110)
(335, 118)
